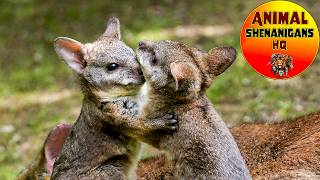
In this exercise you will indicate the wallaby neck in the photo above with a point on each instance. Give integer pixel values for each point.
(90, 144)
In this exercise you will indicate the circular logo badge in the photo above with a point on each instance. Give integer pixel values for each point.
(279, 39)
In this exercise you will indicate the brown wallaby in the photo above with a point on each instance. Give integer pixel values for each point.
(176, 79)
(286, 150)
(95, 149)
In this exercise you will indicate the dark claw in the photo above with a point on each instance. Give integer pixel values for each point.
(173, 121)
(172, 125)
(129, 104)
(173, 128)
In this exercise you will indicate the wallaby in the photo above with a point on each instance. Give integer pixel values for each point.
(96, 149)
(176, 79)
(41, 167)
(285, 150)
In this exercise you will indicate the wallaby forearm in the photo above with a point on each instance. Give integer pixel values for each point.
(131, 123)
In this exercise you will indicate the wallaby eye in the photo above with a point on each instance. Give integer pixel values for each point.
(112, 66)
(154, 58)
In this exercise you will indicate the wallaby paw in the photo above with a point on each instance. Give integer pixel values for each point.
(171, 124)
(167, 123)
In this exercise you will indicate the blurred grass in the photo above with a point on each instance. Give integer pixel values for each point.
(37, 90)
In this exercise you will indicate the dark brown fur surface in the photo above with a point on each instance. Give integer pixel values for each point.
(281, 148)
(158, 167)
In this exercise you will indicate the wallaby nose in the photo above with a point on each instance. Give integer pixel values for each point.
(142, 45)
(140, 72)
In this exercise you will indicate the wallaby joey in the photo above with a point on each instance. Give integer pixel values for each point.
(176, 79)
(107, 70)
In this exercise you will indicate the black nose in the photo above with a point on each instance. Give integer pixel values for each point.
(142, 45)
(140, 72)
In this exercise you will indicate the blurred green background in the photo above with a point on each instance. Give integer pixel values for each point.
(37, 90)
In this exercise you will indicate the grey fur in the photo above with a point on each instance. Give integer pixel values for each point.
(98, 146)
(95, 149)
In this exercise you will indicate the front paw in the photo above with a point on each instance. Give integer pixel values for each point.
(170, 123)
(167, 123)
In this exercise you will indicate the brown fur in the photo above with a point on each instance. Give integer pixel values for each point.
(281, 148)
(202, 147)
(158, 167)
(286, 150)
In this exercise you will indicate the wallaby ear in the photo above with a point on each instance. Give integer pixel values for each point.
(220, 59)
(54, 143)
(181, 72)
(113, 28)
(217, 60)
(70, 51)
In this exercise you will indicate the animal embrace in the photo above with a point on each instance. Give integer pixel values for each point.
(155, 95)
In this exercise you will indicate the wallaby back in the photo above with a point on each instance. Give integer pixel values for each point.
(281, 150)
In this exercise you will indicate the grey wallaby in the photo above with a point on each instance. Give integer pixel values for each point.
(94, 147)
(107, 70)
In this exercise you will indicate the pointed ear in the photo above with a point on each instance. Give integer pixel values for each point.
(113, 29)
(54, 143)
(217, 60)
(182, 73)
(70, 51)
(220, 59)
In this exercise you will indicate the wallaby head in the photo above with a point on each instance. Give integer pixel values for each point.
(107, 67)
(185, 70)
